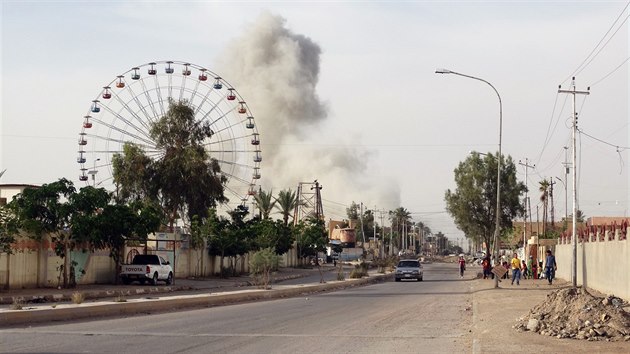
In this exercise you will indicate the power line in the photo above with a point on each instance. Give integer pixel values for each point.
(547, 137)
(618, 147)
(610, 73)
(582, 65)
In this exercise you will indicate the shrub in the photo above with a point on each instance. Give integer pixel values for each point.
(226, 272)
(359, 271)
(18, 303)
(78, 297)
(261, 264)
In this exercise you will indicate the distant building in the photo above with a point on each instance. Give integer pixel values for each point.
(8, 191)
(605, 220)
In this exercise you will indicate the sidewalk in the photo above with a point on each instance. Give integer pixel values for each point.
(496, 311)
(100, 291)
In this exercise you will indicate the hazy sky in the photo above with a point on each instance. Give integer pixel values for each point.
(391, 132)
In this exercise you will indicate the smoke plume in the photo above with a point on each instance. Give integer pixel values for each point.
(277, 72)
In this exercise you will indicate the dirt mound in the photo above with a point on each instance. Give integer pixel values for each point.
(569, 313)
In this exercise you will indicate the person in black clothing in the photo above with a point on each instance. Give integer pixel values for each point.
(550, 267)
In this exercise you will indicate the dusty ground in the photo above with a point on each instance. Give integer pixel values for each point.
(578, 314)
(497, 313)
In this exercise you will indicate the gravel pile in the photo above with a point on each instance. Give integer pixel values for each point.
(576, 314)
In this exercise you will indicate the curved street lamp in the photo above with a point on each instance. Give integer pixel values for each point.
(498, 213)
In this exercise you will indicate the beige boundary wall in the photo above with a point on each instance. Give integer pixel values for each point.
(603, 259)
(34, 264)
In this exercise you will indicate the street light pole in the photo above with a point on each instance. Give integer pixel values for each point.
(93, 172)
(498, 210)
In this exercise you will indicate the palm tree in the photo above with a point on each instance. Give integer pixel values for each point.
(265, 203)
(286, 203)
(544, 198)
(400, 216)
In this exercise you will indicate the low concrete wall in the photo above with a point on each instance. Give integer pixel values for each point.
(603, 261)
(34, 264)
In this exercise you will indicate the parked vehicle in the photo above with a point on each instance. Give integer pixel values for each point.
(147, 267)
(408, 269)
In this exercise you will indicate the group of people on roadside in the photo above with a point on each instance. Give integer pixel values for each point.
(520, 268)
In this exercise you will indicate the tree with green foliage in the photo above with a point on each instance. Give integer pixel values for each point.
(399, 218)
(80, 220)
(265, 203)
(261, 266)
(544, 199)
(229, 237)
(473, 203)
(45, 210)
(286, 202)
(364, 224)
(8, 229)
(272, 234)
(311, 237)
(118, 223)
(181, 177)
(353, 211)
(220, 237)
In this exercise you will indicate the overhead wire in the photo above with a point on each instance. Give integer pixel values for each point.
(602, 48)
(551, 119)
(586, 62)
(610, 73)
(618, 147)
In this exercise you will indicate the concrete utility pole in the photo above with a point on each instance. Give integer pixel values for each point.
(374, 224)
(362, 228)
(574, 182)
(566, 175)
(527, 167)
(382, 234)
(552, 211)
(391, 237)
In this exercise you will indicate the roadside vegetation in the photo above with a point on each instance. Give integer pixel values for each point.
(150, 197)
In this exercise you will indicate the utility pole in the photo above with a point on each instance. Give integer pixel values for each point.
(566, 181)
(374, 224)
(527, 167)
(362, 229)
(382, 234)
(574, 182)
(537, 223)
(391, 237)
(552, 211)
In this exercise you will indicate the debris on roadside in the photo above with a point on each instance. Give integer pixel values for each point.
(576, 314)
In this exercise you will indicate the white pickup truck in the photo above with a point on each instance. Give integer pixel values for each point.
(147, 267)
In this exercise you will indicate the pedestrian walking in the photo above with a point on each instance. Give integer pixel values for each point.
(516, 269)
(486, 267)
(531, 267)
(506, 265)
(524, 270)
(462, 266)
(550, 267)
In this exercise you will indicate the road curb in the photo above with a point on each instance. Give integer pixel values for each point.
(66, 294)
(146, 306)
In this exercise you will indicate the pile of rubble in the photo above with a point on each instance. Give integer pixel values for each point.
(574, 313)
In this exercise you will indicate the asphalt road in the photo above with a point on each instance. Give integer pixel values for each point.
(432, 316)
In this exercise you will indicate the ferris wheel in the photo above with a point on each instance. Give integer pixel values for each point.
(127, 106)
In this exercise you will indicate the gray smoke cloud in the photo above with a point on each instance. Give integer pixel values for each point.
(277, 71)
